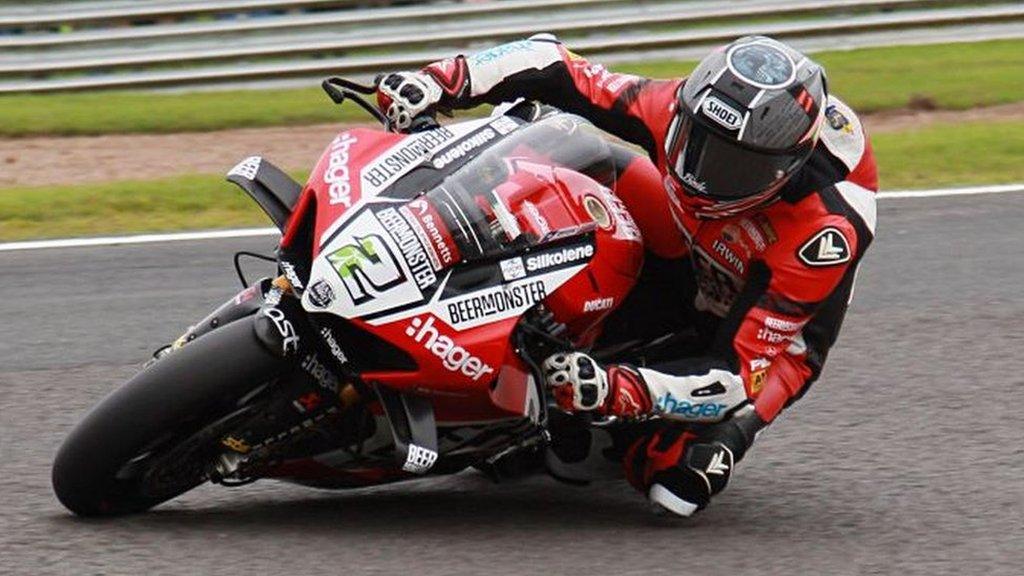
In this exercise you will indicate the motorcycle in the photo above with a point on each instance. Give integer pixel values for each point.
(422, 278)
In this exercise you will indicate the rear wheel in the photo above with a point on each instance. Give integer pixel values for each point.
(150, 439)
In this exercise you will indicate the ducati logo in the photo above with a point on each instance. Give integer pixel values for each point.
(826, 248)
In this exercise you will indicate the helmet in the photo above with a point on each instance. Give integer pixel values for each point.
(745, 121)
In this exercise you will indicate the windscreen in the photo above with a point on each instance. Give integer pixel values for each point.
(492, 205)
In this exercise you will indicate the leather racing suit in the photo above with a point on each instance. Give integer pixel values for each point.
(765, 290)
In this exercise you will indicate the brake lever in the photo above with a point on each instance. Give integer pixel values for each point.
(339, 89)
(353, 86)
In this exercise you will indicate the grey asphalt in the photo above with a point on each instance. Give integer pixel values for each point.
(906, 458)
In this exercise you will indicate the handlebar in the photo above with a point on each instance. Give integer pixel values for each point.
(341, 89)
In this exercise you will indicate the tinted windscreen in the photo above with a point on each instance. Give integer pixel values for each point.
(475, 212)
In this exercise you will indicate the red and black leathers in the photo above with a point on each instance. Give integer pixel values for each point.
(770, 286)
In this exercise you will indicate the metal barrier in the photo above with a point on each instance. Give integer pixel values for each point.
(72, 13)
(177, 54)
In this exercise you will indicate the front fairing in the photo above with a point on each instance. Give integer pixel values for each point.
(440, 254)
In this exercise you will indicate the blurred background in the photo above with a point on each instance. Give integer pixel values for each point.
(120, 116)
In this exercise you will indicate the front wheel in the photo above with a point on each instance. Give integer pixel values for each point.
(109, 462)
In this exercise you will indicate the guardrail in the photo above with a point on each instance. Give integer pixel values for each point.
(399, 38)
(291, 23)
(77, 13)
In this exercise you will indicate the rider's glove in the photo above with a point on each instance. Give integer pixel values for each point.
(580, 384)
(403, 96)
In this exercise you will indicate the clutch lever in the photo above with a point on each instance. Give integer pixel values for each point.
(339, 89)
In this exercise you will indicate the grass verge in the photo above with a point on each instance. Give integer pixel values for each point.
(193, 202)
(948, 154)
(937, 155)
(869, 79)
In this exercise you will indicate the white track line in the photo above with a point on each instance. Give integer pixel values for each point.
(140, 239)
(249, 232)
(1001, 189)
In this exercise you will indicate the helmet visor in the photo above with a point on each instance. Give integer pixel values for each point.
(714, 166)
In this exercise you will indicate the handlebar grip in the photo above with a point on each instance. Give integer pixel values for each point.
(422, 123)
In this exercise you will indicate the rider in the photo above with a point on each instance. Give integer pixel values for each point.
(756, 205)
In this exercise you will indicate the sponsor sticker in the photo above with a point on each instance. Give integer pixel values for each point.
(513, 269)
(247, 168)
(395, 162)
(332, 345)
(837, 120)
(419, 460)
(273, 296)
(290, 338)
(686, 409)
(762, 64)
(504, 125)
(729, 256)
(624, 222)
(722, 113)
(291, 275)
(782, 325)
(503, 301)
(499, 52)
(538, 219)
(413, 252)
(826, 248)
(453, 358)
(337, 175)
(323, 376)
(567, 255)
(463, 147)
(757, 380)
(598, 304)
(773, 337)
(765, 225)
(367, 267)
(321, 294)
(732, 235)
(434, 233)
(754, 234)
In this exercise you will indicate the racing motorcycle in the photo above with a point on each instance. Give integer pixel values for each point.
(421, 278)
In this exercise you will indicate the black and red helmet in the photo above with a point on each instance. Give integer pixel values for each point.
(745, 121)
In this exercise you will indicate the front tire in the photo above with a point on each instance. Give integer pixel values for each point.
(151, 414)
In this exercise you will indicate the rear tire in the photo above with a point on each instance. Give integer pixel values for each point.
(154, 411)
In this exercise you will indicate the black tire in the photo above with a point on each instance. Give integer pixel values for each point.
(173, 398)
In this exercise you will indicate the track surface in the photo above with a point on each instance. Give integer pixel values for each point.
(905, 459)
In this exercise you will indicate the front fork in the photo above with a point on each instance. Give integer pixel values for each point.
(304, 396)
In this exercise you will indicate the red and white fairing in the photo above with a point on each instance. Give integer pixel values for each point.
(434, 271)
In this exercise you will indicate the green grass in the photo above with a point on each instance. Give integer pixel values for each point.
(949, 76)
(938, 155)
(139, 112)
(952, 154)
(183, 203)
